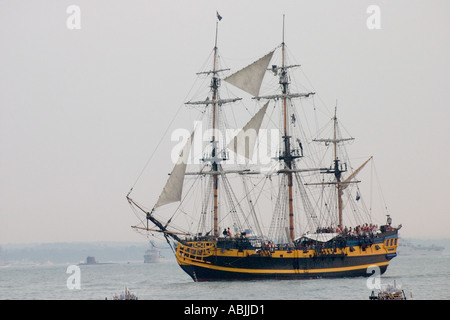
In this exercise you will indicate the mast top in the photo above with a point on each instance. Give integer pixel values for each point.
(335, 111)
(219, 17)
(215, 40)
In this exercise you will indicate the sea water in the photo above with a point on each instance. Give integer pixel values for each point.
(421, 278)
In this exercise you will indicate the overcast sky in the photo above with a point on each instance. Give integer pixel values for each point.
(81, 110)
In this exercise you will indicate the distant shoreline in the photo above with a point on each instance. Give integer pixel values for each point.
(76, 252)
(114, 251)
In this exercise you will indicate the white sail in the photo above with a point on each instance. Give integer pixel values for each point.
(244, 142)
(250, 78)
(174, 186)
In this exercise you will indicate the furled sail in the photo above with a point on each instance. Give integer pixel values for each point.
(174, 186)
(244, 142)
(250, 78)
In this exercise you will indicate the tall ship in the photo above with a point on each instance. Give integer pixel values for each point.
(272, 199)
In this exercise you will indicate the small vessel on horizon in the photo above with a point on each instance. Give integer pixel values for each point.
(3, 258)
(152, 254)
(407, 248)
(90, 260)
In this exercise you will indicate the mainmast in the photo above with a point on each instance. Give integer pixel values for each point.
(287, 157)
(215, 88)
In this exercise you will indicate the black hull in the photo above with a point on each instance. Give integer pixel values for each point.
(199, 274)
(236, 259)
(288, 269)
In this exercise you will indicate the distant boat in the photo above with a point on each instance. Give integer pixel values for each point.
(126, 295)
(91, 261)
(389, 292)
(407, 248)
(152, 255)
(3, 261)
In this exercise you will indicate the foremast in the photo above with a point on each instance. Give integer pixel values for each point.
(173, 189)
(216, 157)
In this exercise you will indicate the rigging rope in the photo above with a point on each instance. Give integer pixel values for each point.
(165, 132)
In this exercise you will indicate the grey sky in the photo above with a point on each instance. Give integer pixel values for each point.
(82, 110)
